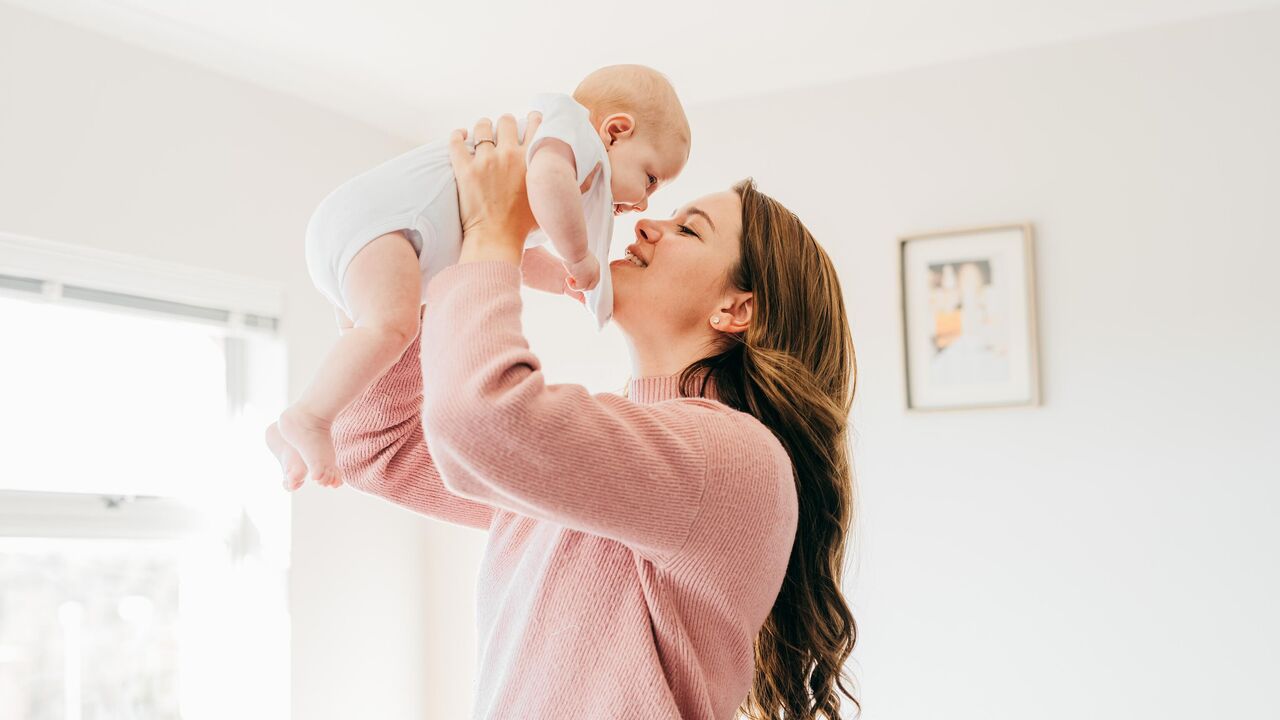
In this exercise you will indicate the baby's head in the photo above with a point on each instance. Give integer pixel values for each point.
(639, 118)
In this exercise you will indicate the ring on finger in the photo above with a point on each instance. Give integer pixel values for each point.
(491, 141)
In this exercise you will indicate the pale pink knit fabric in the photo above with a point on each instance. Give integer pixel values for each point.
(635, 546)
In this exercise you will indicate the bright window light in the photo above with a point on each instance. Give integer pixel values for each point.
(102, 401)
(144, 536)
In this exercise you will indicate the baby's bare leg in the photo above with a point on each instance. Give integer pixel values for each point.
(382, 289)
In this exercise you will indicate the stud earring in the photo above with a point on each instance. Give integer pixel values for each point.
(715, 320)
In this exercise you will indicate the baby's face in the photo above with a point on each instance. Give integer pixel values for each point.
(640, 166)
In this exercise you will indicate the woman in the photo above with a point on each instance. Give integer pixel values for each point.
(675, 553)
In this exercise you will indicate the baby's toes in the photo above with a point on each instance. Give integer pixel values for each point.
(327, 476)
(295, 472)
(314, 444)
(291, 464)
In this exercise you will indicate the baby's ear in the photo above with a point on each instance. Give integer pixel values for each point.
(618, 126)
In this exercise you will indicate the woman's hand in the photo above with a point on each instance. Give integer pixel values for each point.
(492, 201)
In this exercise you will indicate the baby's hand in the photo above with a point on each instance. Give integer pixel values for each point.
(585, 274)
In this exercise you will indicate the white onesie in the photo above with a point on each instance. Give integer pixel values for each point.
(416, 192)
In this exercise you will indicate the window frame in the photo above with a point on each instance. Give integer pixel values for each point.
(246, 301)
(34, 514)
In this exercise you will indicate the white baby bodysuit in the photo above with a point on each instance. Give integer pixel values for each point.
(416, 192)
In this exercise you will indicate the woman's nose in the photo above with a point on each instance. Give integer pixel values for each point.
(647, 231)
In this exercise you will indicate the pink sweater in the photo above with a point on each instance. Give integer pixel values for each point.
(635, 546)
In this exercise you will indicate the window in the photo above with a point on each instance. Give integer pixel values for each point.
(143, 532)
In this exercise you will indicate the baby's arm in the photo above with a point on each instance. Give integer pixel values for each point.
(556, 202)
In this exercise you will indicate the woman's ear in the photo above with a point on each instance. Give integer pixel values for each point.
(617, 126)
(735, 314)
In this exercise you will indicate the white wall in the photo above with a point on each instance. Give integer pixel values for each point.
(1116, 552)
(1111, 554)
(117, 148)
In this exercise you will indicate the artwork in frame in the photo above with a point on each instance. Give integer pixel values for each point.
(969, 318)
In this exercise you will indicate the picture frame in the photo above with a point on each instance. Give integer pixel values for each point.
(969, 327)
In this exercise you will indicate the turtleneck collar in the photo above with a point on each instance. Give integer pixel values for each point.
(649, 390)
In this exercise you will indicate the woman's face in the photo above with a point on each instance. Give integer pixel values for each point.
(687, 260)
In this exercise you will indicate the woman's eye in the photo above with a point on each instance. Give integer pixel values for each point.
(687, 230)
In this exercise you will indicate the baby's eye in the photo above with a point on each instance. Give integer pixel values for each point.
(652, 180)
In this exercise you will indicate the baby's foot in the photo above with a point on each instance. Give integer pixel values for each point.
(309, 435)
(295, 471)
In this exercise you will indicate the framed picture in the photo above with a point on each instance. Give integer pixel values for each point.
(969, 318)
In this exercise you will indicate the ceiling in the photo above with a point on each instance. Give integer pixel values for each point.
(417, 68)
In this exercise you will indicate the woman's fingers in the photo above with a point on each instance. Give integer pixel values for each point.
(531, 126)
(507, 133)
(459, 153)
(491, 189)
(482, 131)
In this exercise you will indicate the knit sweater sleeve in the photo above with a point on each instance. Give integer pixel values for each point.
(501, 435)
(381, 449)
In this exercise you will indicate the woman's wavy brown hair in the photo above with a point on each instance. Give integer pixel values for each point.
(794, 369)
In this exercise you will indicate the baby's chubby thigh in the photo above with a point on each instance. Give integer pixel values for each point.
(382, 288)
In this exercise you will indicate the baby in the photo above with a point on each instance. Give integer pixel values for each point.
(374, 243)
